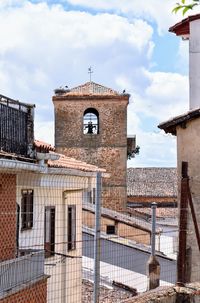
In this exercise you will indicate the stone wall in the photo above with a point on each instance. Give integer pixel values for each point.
(108, 149)
(7, 216)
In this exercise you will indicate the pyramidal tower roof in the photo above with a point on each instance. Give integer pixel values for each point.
(91, 88)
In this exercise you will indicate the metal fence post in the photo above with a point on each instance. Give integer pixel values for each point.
(153, 266)
(182, 251)
(97, 239)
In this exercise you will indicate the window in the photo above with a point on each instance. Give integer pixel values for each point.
(71, 237)
(91, 121)
(94, 195)
(110, 230)
(49, 231)
(27, 209)
(87, 196)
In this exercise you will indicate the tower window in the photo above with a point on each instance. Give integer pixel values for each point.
(91, 121)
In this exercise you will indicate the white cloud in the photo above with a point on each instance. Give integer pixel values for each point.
(43, 47)
(151, 10)
(164, 94)
(156, 149)
(168, 94)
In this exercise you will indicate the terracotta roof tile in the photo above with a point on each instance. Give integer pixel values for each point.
(91, 88)
(120, 217)
(64, 161)
(170, 125)
(161, 212)
(152, 182)
(43, 146)
(71, 163)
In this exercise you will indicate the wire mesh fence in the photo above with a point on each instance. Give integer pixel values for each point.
(47, 232)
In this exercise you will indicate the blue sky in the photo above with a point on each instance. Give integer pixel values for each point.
(47, 44)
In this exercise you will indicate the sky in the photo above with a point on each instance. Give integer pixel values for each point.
(48, 44)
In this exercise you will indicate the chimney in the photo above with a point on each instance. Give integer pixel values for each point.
(189, 28)
(194, 64)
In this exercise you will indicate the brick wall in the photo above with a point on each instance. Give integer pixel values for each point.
(108, 149)
(7, 216)
(36, 293)
(146, 199)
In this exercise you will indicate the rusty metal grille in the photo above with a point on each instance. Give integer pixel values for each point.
(13, 130)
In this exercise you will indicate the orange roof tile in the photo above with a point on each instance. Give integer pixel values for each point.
(43, 146)
(71, 163)
(91, 88)
(64, 161)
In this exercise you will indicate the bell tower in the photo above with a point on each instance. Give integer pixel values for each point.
(91, 126)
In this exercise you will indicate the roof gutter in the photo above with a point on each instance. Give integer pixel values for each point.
(17, 166)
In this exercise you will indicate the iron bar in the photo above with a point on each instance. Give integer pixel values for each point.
(182, 251)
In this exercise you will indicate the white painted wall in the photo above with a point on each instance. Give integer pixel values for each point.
(194, 64)
(64, 285)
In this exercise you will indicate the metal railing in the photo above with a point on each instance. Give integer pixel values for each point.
(21, 270)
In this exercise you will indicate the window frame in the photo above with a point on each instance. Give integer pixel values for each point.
(71, 227)
(27, 197)
(49, 246)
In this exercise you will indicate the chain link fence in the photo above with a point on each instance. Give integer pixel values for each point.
(48, 238)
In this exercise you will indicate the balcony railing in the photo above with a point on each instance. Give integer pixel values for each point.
(16, 126)
(21, 270)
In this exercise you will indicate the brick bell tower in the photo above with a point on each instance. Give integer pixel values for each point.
(91, 126)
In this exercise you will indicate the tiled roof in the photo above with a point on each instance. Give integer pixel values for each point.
(183, 28)
(152, 182)
(170, 125)
(71, 163)
(91, 88)
(63, 161)
(120, 217)
(43, 146)
(161, 212)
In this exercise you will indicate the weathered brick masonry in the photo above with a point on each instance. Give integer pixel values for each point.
(37, 293)
(108, 148)
(7, 216)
